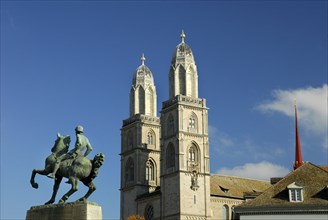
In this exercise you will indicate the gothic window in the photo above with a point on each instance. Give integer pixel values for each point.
(150, 102)
(170, 125)
(150, 171)
(192, 122)
(132, 104)
(130, 140)
(192, 154)
(191, 82)
(141, 95)
(149, 213)
(129, 171)
(170, 156)
(225, 212)
(150, 138)
(182, 81)
(189, 85)
(171, 84)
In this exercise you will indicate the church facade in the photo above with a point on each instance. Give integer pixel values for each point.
(165, 161)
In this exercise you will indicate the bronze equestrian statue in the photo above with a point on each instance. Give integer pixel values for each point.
(73, 165)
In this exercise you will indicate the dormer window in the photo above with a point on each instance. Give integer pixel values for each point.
(295, 192)
(225, 190)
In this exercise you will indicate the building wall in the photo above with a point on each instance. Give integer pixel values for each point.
(155, 202)
(135, 147)
(286, 216)
(194, 202)
(128, 205)
(170, 195)
(217, 204)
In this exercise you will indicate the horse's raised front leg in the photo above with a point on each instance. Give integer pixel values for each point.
(55, 190)
(46, 171)
(74, 182)
(92, 188)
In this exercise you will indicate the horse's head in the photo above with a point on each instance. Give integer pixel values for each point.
(61, 144)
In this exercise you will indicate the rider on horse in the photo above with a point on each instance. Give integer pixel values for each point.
(81, 143)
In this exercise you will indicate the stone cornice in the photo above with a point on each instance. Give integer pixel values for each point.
(194, 135)
(131, 151)
(186, 100)
(230, 201)
(142, 118)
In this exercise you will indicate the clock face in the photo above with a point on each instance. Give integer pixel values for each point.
(183, 52)
(143, 73)
(140, 73)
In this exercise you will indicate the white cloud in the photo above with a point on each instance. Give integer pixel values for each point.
(311, 108)
(263, 170)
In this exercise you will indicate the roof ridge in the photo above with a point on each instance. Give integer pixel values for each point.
(320, 166)
(239, 177)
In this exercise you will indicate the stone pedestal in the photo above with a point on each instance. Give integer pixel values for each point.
(67, 211)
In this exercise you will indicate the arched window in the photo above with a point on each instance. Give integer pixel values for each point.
(192, 154)
(129, 171)
(132, 104)
(141, 94)
(182, 81)
(170, 125)
(192, 123)
(150, 138)
(225, 212)
(150, 171)
(149, 212)
(150, 102)
(191, 82)
(170, 156)
(130, 140)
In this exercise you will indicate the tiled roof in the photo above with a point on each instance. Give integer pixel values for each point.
(236, 187)
(324, 168)
(312, 178)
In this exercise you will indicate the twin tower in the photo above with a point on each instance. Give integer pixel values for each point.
(165, 161)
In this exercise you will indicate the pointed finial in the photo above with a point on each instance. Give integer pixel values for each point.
(143, 59)
(183, 36)
(298, 151)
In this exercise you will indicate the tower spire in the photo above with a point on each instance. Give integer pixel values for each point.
(298, 152)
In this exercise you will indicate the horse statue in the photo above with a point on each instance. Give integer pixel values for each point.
(75, 169)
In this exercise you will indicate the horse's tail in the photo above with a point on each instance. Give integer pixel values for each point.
(97, 162)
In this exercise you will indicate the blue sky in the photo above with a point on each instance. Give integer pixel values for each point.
(68, 63)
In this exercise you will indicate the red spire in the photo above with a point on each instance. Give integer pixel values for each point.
(298, 153)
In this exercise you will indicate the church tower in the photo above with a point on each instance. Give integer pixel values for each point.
(185, 176)
(140, 145)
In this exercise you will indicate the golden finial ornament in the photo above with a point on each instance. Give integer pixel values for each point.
(143, 59)
(183, 36)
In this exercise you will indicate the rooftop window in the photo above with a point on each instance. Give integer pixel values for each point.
(295, 192)
(225, 190)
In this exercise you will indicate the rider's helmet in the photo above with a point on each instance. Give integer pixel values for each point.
(79, 128)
